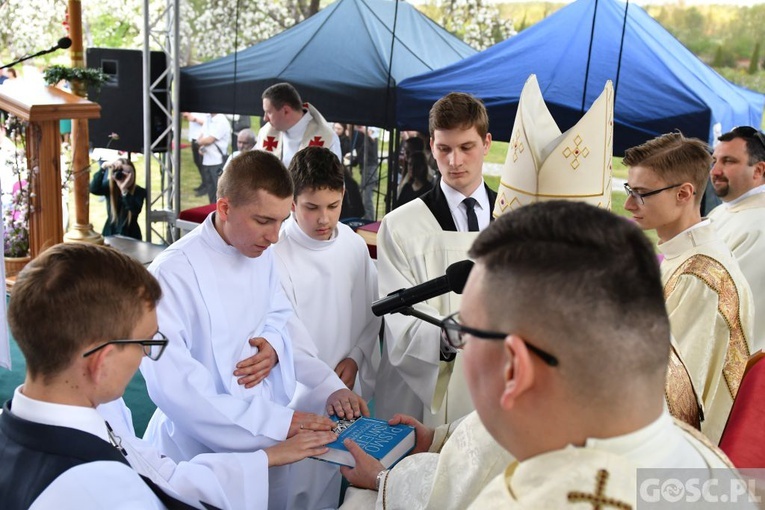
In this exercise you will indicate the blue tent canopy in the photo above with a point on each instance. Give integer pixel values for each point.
(661, 85)
(338, 60)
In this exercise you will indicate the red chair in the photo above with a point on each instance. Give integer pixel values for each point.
(743, 440)
(189, 219)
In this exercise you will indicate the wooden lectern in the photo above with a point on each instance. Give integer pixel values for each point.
(43, 107)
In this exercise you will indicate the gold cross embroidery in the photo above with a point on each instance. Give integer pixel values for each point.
(598, 500)
(576, 152)
(517, 145)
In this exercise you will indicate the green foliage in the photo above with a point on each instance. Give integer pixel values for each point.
(723, 58)
(754, 62)
(86, 75)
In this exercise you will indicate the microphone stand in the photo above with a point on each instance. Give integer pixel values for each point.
(414, 313)
(39, 53)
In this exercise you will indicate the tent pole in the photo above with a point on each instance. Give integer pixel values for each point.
(589, 56)
(393, 170)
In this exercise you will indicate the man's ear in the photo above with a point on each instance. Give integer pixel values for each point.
(518, 374)
(487, 144)
(222, 207)
(96, 365)
(686, 192)
(759, 171)
(293, 205)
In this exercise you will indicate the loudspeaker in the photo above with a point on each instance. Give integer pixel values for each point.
(121, 99)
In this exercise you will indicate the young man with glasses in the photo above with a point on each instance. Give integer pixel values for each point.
(84, 317)
(565, 340)
(708, 299)
(738, 177)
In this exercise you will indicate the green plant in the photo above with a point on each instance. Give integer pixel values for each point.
(88, 76)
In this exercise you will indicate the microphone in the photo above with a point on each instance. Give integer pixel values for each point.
(63, 43)
(454, 280)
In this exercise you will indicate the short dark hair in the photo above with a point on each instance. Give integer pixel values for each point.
(283, 94)
(584, 284)
(674, 158)
(73, 295)
(252, 171)
(316, 168)
(458, 110)
(755, 145)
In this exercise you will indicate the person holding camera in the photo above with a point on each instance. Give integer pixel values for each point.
(125, 199)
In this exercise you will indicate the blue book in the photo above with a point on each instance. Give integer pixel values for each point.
(386, 443)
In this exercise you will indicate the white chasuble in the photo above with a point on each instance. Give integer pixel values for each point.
(711, 317)
(742, 227)
(412, 249)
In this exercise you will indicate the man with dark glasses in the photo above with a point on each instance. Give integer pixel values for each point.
(565, 338)
(708, 299)
(738, 177)
(84, 317)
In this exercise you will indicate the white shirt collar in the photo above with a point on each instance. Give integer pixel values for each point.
(81, 418)
(754, 191)
(300, 126)
(459, 213)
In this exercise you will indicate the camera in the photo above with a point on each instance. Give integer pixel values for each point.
(119, 175)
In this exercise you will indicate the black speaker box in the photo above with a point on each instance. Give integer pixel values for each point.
(121, 99)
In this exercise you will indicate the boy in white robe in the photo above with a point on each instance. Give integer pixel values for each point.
(224, 302)
(565, 339)
(84, 316)
(329, 278)
(708, 299)
(327, 273)
(738, 178)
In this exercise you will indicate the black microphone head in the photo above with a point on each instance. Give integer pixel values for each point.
(64, 43)
(457, 274)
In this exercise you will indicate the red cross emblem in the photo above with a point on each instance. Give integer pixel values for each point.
(270, 143)
(316, 142)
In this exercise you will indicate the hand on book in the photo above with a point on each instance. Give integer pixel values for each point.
(346, 404)
(308, 422)
(299, 447)
(254, 369)
(364, 475)
(346, 370)
(423, 436)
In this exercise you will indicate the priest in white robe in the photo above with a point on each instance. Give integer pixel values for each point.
(738, 178)
(579, 416)
(292, 125)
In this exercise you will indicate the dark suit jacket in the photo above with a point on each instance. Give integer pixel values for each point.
(436, 202)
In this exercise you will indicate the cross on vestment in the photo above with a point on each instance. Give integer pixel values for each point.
(316, 142)
(270, 143)
(598, 500)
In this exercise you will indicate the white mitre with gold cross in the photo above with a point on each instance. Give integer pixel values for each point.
(544, 164)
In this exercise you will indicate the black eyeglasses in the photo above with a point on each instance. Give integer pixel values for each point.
(640, 197)
(454, 334)
(152, 347)
(749, 132)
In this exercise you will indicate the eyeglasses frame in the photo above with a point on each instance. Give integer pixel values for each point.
(144, 343)
(450, 323)
(642, 196)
